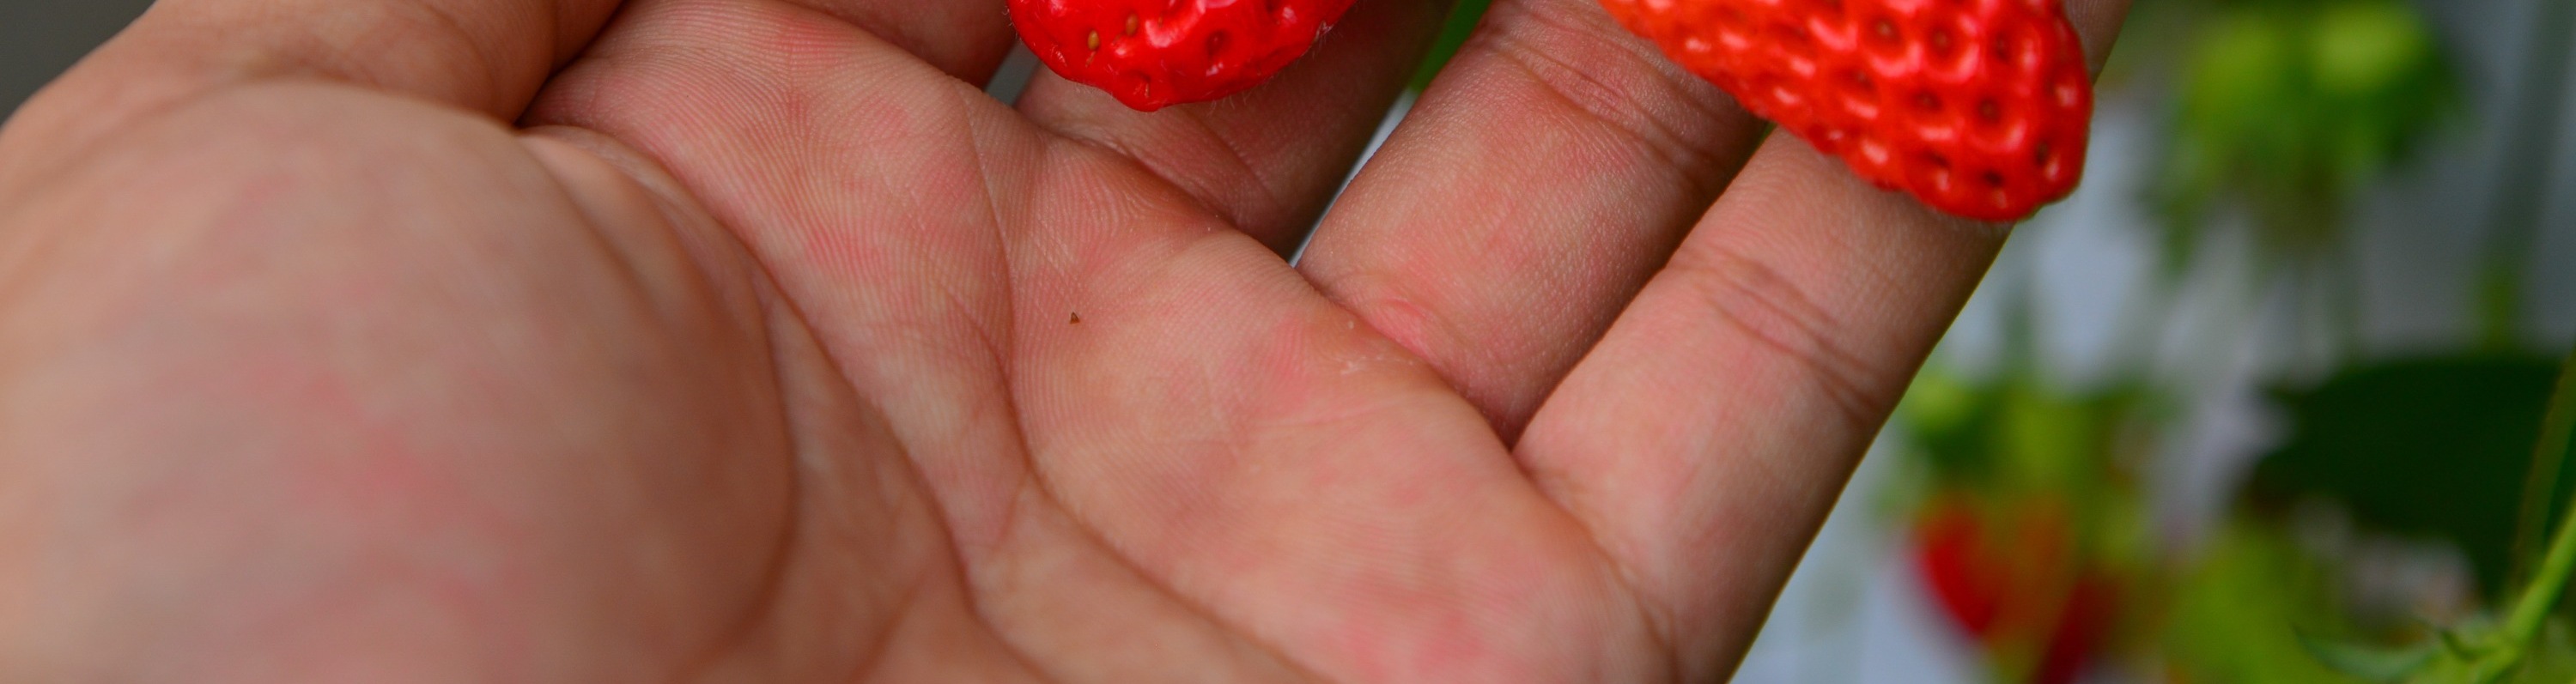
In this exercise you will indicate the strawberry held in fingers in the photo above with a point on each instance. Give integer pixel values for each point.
(1153, 54)
(1980, 108)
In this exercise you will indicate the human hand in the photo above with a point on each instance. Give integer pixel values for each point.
(508, 340)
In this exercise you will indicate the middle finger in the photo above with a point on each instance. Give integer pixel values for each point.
(1268, 159)
(1550, 170)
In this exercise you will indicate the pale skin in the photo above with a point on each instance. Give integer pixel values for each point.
(737, 340)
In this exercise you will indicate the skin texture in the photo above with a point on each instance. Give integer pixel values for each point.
(746, 340)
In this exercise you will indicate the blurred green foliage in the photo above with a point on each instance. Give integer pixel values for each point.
(2433, 447)
(2014, 437)
(2286, 107)
(2282, 112)
(2256, 609)
(2364, 438)
(2236, 613)
(2012, 432)
(1463, 18)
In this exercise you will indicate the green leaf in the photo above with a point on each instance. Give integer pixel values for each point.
(1940, 402)
(2432, 447)
(2287, 108)
(2371, 663)
(2048, 440)
(2368, 47)
(2229, 616)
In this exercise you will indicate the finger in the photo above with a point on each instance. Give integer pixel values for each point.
(1267, 159)
(964, 38)
(1537, 185)
(1704, 439)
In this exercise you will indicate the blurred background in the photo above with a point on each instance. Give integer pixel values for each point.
(2259, 404)
(40, 38)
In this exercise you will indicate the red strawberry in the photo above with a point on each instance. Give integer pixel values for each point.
(2091, 612)
(1153, 54)
(2017, 584)
(1980, 108)
(1952, 555)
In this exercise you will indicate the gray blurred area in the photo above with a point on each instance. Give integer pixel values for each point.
(41, 38)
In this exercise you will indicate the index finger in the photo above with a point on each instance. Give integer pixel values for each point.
(1545, 175)
(1704, 439)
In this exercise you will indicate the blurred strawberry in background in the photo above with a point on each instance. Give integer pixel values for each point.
(2026, 528)
(2012, 580)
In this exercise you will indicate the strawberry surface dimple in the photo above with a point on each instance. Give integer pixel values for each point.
(1152, 54)
(1980, 108)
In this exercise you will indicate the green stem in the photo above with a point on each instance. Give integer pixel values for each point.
(2540, 485)
(2557, 435)
(2515, 230)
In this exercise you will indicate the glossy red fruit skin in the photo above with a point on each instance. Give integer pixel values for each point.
(1979, 108)
(1152, 54)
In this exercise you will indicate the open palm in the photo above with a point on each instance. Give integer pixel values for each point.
(748, 340)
